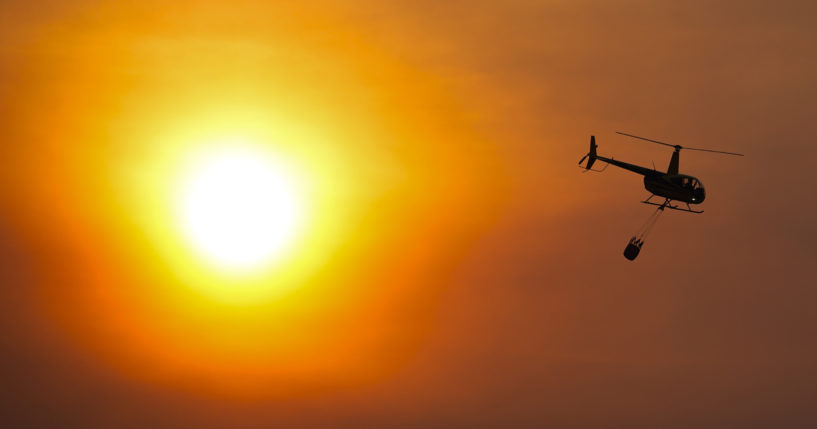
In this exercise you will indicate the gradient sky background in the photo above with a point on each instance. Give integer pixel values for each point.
(465, 273)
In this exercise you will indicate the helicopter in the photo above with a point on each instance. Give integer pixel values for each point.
(672, 186)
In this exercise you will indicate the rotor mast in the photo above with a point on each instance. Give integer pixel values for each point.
(674, 161)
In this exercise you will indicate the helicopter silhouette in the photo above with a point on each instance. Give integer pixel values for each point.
(672, 186)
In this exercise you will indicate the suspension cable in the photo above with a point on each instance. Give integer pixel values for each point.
(648, 225)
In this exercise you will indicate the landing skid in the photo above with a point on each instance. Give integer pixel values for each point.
(668, 204)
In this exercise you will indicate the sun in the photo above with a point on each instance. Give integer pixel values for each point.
(238, 209)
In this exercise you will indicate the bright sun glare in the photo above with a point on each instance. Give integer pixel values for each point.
(238, 208)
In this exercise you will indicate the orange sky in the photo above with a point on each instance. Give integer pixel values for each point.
(458, 269)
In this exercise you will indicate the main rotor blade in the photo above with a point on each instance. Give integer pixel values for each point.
(679, 146)
(716, 151)
(644, 138)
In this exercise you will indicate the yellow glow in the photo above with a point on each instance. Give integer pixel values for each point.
(237, 209)
(370, 153)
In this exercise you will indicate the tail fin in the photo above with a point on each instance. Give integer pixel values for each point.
(591, 155)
